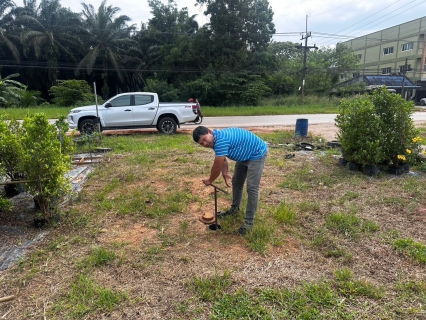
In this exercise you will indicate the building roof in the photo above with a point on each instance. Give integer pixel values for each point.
(390, 81)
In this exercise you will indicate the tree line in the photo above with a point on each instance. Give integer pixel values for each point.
(230, 60)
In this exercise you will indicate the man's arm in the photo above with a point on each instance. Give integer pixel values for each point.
(216, 170)
(225, 173)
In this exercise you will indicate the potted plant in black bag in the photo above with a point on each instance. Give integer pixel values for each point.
(359, 136)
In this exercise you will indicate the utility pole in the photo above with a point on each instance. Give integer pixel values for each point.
(305, 50)
(403, 78)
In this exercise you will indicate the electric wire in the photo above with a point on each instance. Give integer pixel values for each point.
(334, 9)
(368, 17)
(397, 9)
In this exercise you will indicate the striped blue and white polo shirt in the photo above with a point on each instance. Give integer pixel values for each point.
(238, 144)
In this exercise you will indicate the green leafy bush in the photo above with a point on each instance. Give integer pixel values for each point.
(11, 148)
(359, 132)
(5, 204)
(166, 92)
(254, 91)
(72, 92)
(280, 83)
(396, 126)
(44, 160)
(377, 128)
(29, 98)
(67, 146)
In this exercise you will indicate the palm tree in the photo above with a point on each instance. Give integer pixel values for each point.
(7, 37)
(108, 40)
(49, 34)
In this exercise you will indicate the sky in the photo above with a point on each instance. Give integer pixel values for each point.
(328, 21)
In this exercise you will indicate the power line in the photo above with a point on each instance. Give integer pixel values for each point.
(367, 17)
(334, 9)
(380, 17)
(397, 14)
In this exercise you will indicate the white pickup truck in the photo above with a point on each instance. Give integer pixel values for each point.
(133, 110)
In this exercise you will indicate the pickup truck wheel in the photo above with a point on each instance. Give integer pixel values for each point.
(167, 126)
(422, 102)
(87, 126)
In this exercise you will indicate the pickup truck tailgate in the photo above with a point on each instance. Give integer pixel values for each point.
(186, 113)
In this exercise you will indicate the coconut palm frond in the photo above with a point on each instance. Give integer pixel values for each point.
(31, 23)
(11, 46)
(113, 59)
(29, 35)
(88, 61)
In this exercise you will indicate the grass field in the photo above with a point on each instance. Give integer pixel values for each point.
(328, 243)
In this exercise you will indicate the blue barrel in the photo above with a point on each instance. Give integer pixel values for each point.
(301, 127)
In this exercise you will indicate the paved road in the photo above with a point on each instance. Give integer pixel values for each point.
(277, 120)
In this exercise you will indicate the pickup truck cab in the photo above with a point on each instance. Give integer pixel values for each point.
(133, 110)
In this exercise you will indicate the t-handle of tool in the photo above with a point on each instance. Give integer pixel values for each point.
(216, 187)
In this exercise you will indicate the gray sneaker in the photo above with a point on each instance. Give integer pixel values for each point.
(225, 213)
(244, 230)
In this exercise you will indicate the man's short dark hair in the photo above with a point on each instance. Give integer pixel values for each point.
(198, 132)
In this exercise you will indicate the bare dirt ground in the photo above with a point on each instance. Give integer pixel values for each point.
(158, 284)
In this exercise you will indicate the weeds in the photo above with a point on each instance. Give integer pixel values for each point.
(414, 250)
(299, 180)
(213, 288)
(260, 237)
(350, 225)
(351, 288)
(329, 247)
(86, 296)
(285, 213)
(99, 257)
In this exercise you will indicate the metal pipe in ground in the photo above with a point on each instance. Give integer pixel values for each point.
(212, 223)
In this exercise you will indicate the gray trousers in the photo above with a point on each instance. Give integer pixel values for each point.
(251, 171)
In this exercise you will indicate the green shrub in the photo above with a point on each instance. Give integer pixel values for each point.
(67, 146)
(71, 92)
(280, 83)
(11, 148)
(376, 128)
(396, 127)
(254, 91)
(43, 160)
(422, 167)
(29, 98)
(359, 132)
(166, 92)
(5, 204)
